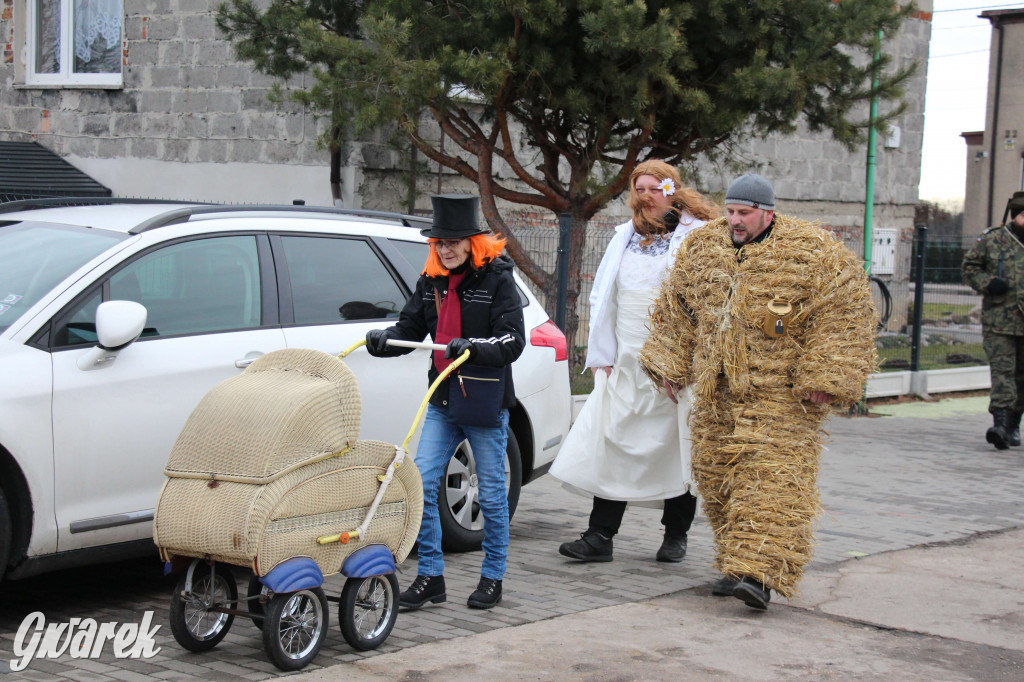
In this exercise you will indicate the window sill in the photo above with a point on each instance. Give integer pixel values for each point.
(68, 86)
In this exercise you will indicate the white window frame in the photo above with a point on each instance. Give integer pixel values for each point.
(66, 77)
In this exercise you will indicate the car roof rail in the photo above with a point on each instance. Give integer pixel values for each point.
(181, 215)
(405, 219)
(52, 202)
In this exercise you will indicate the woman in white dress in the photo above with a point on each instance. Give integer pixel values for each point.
(630, 443)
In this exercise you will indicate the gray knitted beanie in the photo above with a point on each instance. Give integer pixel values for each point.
(752, 190)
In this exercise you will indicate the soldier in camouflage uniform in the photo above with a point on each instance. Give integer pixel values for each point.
(995, 269)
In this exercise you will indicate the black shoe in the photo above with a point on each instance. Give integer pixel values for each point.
(592, 546)
(724, 586)
(673, 549)
(426, 588)
(487, 595)
(998, 433)
(753, 593)
(1013, 430)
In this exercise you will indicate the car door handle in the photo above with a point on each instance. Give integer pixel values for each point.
(250, 357)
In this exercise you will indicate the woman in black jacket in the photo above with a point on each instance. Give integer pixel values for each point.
(468, 300)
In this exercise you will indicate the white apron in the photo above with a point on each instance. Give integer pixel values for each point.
(629, 442)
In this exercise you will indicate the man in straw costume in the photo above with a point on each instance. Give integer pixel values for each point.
(769, 319)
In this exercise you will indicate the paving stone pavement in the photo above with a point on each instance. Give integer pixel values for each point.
(886, 484)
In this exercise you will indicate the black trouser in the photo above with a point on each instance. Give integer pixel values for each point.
(606, 516)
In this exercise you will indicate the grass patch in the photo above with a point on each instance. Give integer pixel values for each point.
(581, 384)
(934, 356)
(939, 310)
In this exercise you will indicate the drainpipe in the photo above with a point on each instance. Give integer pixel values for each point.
(996, 26)
(869, 181)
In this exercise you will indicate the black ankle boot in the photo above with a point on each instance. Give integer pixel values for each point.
(592, 546)
(753, 593)
(999, 433)
(673, 548)
(1013, 434)
(426, 588)
(724, 586)
(487, 594)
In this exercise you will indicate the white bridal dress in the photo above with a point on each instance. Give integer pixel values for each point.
(630, 442)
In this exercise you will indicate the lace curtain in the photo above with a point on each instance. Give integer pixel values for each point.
(96, 34)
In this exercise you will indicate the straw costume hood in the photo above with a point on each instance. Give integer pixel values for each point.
(754, 330)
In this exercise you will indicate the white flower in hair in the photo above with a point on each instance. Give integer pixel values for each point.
(668, 188)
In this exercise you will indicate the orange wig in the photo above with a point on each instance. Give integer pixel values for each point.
(483, 248)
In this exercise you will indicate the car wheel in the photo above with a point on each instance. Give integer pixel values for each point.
(6, 533)
(462, 522)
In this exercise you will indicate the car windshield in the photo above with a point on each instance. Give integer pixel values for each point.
(35, 257)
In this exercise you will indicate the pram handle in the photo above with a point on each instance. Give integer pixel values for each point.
(395, 342)
(385, 479)
(416, 344)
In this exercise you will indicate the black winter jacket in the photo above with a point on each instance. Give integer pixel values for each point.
(492, 319)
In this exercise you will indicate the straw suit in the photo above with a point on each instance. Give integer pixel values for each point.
(756, 439)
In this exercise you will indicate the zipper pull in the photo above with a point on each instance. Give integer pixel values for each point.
(463, 387)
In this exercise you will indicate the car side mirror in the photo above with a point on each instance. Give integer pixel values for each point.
(118, 325)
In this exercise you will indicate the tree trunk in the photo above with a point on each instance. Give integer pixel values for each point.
(577, 245)
(336, 174)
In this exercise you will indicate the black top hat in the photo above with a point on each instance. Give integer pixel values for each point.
(455, 216)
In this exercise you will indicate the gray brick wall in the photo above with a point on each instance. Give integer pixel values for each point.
(187, 100)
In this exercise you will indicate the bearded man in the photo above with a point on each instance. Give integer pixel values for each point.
(770, 320)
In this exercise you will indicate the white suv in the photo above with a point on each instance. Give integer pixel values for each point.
(85, 428)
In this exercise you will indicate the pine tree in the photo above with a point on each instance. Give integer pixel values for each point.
(596, 85)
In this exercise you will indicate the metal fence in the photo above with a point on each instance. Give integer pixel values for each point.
(936, 320)
(946, 334)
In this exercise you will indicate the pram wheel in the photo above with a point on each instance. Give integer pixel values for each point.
(368, 610)
(294, 627)
(194, 626)
(253, 602)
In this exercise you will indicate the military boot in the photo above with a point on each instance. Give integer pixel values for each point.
(1013, 435)
(999, 433)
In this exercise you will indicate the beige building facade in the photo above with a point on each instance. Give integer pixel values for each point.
(995, 156)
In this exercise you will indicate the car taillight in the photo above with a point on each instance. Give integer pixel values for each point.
(548, 334)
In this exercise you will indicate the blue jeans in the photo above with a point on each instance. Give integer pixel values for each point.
(438, 442)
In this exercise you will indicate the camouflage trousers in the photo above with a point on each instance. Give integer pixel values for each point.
(1006, 362)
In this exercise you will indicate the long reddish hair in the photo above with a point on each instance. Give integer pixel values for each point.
(483, 248)
(684, 199)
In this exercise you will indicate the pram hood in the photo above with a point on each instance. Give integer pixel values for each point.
(288, 409)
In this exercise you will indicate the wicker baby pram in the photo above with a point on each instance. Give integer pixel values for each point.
(268, 474)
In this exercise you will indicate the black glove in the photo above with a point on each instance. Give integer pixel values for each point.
(376, 342)
(997, 287)
(671, 220)
(456, 347)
